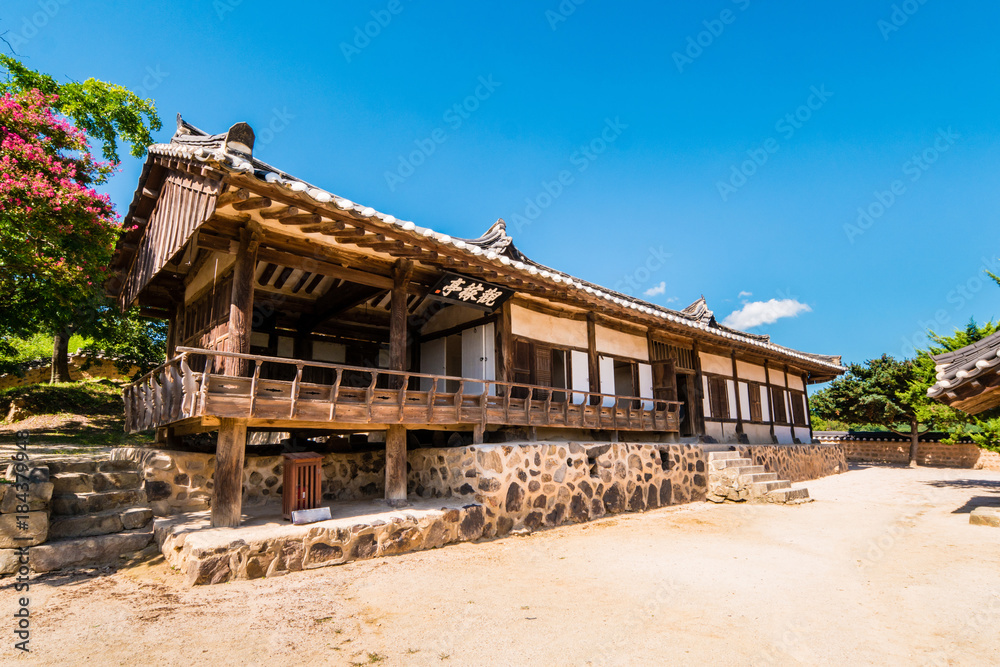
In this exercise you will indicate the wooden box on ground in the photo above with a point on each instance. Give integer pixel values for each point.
(302, 482)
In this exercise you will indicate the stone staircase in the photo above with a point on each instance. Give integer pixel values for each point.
(733, 478)
(98, 514)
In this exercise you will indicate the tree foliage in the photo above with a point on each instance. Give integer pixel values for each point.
(104, 111)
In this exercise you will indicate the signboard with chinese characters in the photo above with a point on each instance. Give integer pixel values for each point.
(470, 292)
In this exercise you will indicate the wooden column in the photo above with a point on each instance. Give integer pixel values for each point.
(805, 391)
(698, 418)
(504, 345)
(736, 387)
(770, 397)
(241, 301)
(593, 364)
(227, 502)
(789, 408)
(395, 465)
(402, 270)
(173, 326)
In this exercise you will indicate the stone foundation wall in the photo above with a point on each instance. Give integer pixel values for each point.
(100, 367)
(928, 454)
(797, 463)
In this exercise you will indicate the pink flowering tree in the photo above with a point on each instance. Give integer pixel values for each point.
(56, 232)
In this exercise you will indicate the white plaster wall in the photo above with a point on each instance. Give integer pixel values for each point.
(758, 434)
(731, 390)
(784, 435)
(795, 382)
(745, 399)
(714, 429)
(646, 384)
(777, 378)
(620, 344)
(451, 316)
(704, 393)
(748, 371)
(580, 370)
(607, 368)
(713, 363)
(432, 362)
(765, 406)
(215, 266)
(547, 329)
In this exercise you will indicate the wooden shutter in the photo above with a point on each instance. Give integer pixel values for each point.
(718, 397)
(756, 414)
(778, 405)
(798, 408)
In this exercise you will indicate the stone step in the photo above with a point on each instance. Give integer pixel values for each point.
(757, 477)
(789, 496)
(100, 523)
(97, 482)
(746, 470)
(71, 504)
(763, 488)
(99, 551)
(58, 466)
(722, 464)
(718, 456)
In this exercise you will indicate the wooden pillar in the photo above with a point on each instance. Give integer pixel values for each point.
(698, 417)
(736, 387)
(505, 345)
(227, 502)
(173, 329)
(395, 465)
(770, 397)
(593, 364)
(402, 270)
(241, 301)
(805, 392)
(789, 408)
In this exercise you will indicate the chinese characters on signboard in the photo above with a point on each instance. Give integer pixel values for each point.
(470, 292)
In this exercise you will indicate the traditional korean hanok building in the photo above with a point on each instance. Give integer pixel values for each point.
(293, 309)
(969, 379)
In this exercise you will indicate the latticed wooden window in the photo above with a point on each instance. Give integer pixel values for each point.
(756, 414)
(682, 357)
(798, 408)
(718, 397)
(778, 405)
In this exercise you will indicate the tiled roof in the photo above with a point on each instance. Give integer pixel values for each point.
(960, 367)
(495, 246)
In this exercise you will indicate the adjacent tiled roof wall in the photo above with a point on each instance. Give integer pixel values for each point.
(879, 436)
(956, 368)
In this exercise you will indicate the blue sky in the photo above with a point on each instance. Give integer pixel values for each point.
(722, 148)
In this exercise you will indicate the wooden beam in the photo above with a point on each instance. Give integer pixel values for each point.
(504, 345)
(230, 451)
(280, 212)
(231, 197)
(301, 219)
(252, 204)
(395, 465)
(324, 268)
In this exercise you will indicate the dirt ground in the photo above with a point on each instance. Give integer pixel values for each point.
(883, 568)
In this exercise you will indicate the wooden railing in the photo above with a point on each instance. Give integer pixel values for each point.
(365, 396)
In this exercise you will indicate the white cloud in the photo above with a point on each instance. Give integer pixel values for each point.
(757, 313)
(657, 290)
(672, 299)
(743, 294)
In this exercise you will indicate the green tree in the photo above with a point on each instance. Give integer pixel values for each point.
(880, 391)
(53, 252)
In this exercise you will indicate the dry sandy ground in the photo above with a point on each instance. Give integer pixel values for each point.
(883, 568)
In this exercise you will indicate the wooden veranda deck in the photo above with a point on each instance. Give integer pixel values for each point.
(359, 398)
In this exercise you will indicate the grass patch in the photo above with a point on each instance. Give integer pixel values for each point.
(87, 414)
